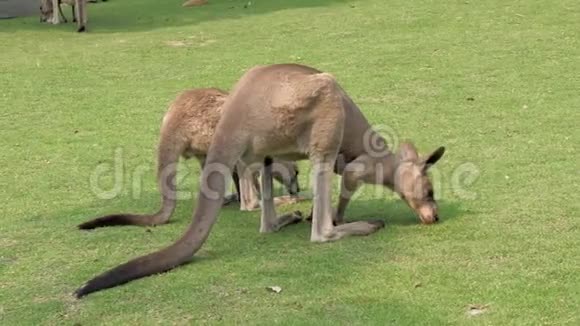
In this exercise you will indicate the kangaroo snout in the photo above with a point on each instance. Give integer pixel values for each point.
(428, 214)
(294, 187)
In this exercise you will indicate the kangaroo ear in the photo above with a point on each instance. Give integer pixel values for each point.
(407, 152)
(433, 158)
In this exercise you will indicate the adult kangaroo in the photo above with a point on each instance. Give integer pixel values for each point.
(288, 111)
(186, 131)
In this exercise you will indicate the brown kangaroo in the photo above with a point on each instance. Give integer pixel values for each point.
(187, 130)
(290, 112)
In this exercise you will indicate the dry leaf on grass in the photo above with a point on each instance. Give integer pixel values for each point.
(476, 309)
(275, 289)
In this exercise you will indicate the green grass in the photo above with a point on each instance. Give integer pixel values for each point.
(496, 82)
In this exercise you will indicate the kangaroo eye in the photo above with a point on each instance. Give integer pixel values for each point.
(430, 194)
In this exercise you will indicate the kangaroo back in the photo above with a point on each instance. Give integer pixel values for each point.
(191, 115)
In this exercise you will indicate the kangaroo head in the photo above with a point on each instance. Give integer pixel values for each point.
(413, 184)
(45, 10)
(286, 173)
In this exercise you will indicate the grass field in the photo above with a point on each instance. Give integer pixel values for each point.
(496, 82)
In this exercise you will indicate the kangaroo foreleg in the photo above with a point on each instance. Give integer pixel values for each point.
(236, 179)
(269, 222)
(235, 197)
(249, 200)
(323, 229)
(352, 178)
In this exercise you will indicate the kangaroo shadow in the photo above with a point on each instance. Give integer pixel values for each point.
(396, 212)
(145, 15)
(243, 248)
(289, 256)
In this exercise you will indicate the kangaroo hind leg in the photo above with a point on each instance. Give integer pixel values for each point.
(324, 144)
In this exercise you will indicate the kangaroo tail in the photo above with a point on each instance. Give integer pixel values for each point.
(158, 262)
(170, 148)
(218, 167)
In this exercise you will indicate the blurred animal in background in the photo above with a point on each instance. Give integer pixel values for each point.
(51, 12)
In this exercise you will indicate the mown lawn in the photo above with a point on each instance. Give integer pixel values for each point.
(496, 82)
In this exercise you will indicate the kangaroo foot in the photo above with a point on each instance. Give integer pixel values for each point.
(358, 228)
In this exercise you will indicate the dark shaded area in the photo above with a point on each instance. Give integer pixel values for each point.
(144, 15)
(18, 8)
(396, 211)
(292, 241)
